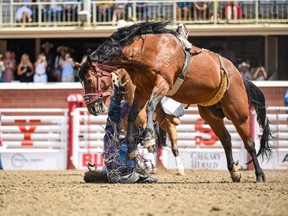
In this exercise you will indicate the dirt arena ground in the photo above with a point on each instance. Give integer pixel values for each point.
(197, 193)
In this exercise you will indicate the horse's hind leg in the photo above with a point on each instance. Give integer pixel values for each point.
(237, 110)
(218, 127)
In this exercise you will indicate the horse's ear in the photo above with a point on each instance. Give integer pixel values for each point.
(77, 65)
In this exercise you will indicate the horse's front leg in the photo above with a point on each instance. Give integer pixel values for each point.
(138, 104)
(159, 91)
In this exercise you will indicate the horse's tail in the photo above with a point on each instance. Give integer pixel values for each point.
(257, 100)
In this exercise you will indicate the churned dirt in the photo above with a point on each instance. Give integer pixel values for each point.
(197, 193)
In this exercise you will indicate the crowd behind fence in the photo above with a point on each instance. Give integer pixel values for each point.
(57, 13)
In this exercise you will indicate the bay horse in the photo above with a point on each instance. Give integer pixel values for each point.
(156, 60)
(98, 87)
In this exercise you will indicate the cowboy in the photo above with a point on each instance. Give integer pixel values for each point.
(118, 168)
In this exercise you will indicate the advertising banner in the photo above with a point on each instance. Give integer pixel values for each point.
(212, 159)
(44, 160)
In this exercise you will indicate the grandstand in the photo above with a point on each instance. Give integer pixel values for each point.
(254, 29)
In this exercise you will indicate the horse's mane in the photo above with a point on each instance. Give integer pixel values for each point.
(114, 45)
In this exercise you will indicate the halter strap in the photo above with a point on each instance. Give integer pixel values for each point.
(91, 97)
(104, 68)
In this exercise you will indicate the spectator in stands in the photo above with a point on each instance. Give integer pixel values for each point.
(50, 57)
(2, 68)
(141, 10)
(87, 53)
(183, 10)
(59, 60)
(25, 69)
(24, 13)
(286, 99)
(10, 66)
(54, 12)
(227, 53)
(212, 5)
(232, 11)
(104, 11)
(68, 69)
(260, 74)
(41, 64)
(200, 10)
(244, 71)
(119, 10)
(70, 11)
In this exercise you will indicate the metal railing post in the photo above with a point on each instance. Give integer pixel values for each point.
(175, 11)
(256, 11)
(11, 12)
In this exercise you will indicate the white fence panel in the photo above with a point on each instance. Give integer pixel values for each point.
(34, 139)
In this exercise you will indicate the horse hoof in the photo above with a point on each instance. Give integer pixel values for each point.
(133, 154)
(149, 142)
(260, 178)
(235, 173)
(180, 172)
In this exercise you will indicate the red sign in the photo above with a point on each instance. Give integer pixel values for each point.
(92, 158)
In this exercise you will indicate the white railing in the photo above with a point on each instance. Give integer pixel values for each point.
(194, 136)
(93, 13)
(34, 138)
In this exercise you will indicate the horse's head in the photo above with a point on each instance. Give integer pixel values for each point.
(97, 86)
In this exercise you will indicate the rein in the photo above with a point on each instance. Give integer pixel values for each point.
(101, 71)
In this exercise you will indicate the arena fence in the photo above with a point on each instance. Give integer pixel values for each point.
(34, 139)
(46, 138)
(59, 14)
(198, 146)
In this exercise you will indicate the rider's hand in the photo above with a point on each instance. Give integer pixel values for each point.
(119, 92)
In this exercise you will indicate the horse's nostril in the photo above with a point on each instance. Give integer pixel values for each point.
(93, 109)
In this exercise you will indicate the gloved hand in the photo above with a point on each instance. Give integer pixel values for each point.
(119, 92)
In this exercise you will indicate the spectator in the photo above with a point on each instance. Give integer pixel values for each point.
(54, 12)
(25, 69)
(244, 71)
(232, 11)
(286, 100)
(10, 66)
(2, 69)
(227, 53)
(50, 57)
(212, 6)
(141, 10)
(87, 53)
(200, 9)
(68, 69)
(104, 11)
(183, 8)
(70, 11)
(40, 69)
(119, 10)
(59, 60)
(260, 74)
(24, 13)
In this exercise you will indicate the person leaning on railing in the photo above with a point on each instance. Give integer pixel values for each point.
(24, 13)
(104, 11)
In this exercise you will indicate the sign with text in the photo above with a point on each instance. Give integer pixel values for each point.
(93, 156)
(34, 160)
(212, 159)
(278, 160)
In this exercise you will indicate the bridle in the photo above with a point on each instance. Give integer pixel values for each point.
(101, 71)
